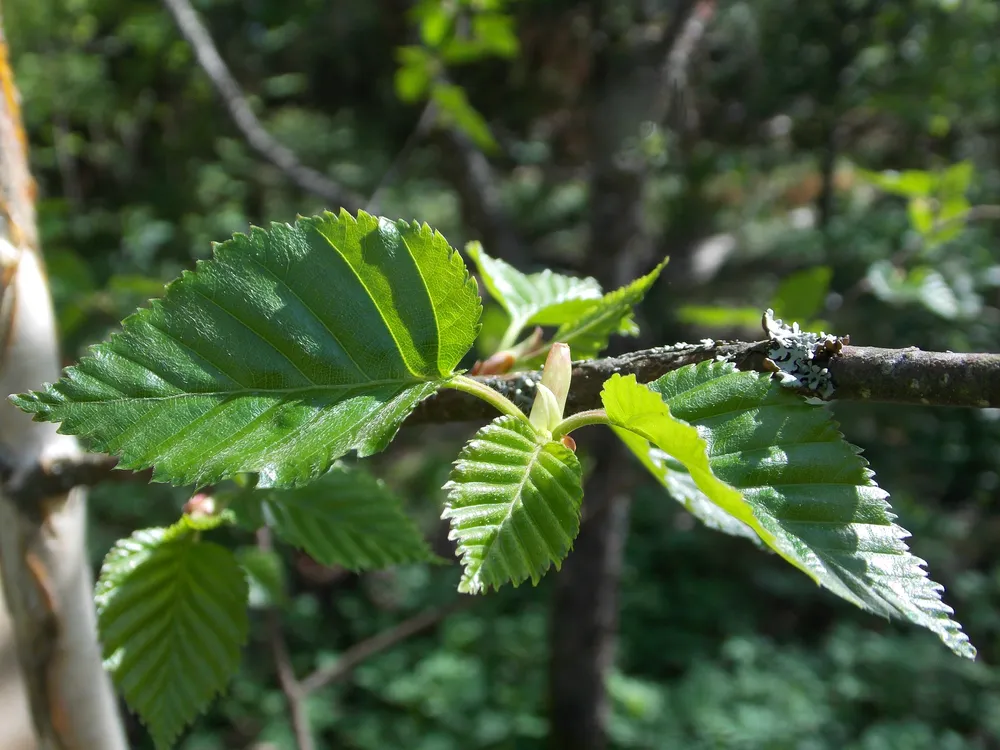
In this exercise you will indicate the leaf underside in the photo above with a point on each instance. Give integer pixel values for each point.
(588, 334)
(347, 517)
(810, 489)
(289, 348)
(172, 617)
(545, 298)
(513, 503)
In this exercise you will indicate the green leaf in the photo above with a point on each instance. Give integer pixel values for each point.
(265, 573)
(416, 68)
(955, 181)
(950, 222)
(346, 517)
(921, 216)
(455, 110)
(910, 183)
(811, 490)
(801, 296)
(287, 350)
(715, 316)
(635, 408)
(497, 34)
(588, 335)
(172, 617)
(545, 298)
(681, 485)
(514, 505)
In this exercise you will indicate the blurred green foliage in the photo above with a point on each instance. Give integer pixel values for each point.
(854, 136)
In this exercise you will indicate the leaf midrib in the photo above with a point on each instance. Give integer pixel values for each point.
(516, 498)
(366, 385)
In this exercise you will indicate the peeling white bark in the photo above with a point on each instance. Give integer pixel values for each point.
(54, 692)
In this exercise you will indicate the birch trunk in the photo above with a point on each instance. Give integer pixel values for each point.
(54, 693)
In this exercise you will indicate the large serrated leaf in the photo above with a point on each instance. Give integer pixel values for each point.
(172, 615)
(811, 490)
(589, 334)
(290, 348)
(545, 298)
(514, 504)
(346, 517)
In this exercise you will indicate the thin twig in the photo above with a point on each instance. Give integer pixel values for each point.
(360, 652)
(233, 97)
(423, 126)
(295, 695)
(28, 489)
(679, 43)
(860, 373)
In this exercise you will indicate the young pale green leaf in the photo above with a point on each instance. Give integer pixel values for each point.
(347, 517)
(545, 298)
(810, 489)
(291, 347)
(910, 183)
(681, 486)
(801, 295)
(588, 334)
(634, 408)
(514, 505)
(172, 615)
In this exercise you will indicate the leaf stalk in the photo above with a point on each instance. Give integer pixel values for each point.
(578, 420)
(481, 391)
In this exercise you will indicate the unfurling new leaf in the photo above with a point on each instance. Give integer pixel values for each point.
(586, 317)
(513, 503)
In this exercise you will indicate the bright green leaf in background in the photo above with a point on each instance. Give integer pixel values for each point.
(291, 347)
(937, 202)
(416, 69)
(802, 295)
(717, 316)
(910, 183)
(455, 110)
(955, 180)
(808, 487)
(921, 214)
(923, 285)
(513, 503)
(347, 517)
(172, 615)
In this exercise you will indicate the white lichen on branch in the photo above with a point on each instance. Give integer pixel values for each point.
(799, 357)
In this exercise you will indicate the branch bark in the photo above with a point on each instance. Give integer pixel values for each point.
(47, 582)
(860, 373)
(295, 696)
(235, 101)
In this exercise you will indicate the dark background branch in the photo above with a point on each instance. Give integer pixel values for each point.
(256, 135)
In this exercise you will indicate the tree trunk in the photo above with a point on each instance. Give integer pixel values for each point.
(584, 624)
(60, 698)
